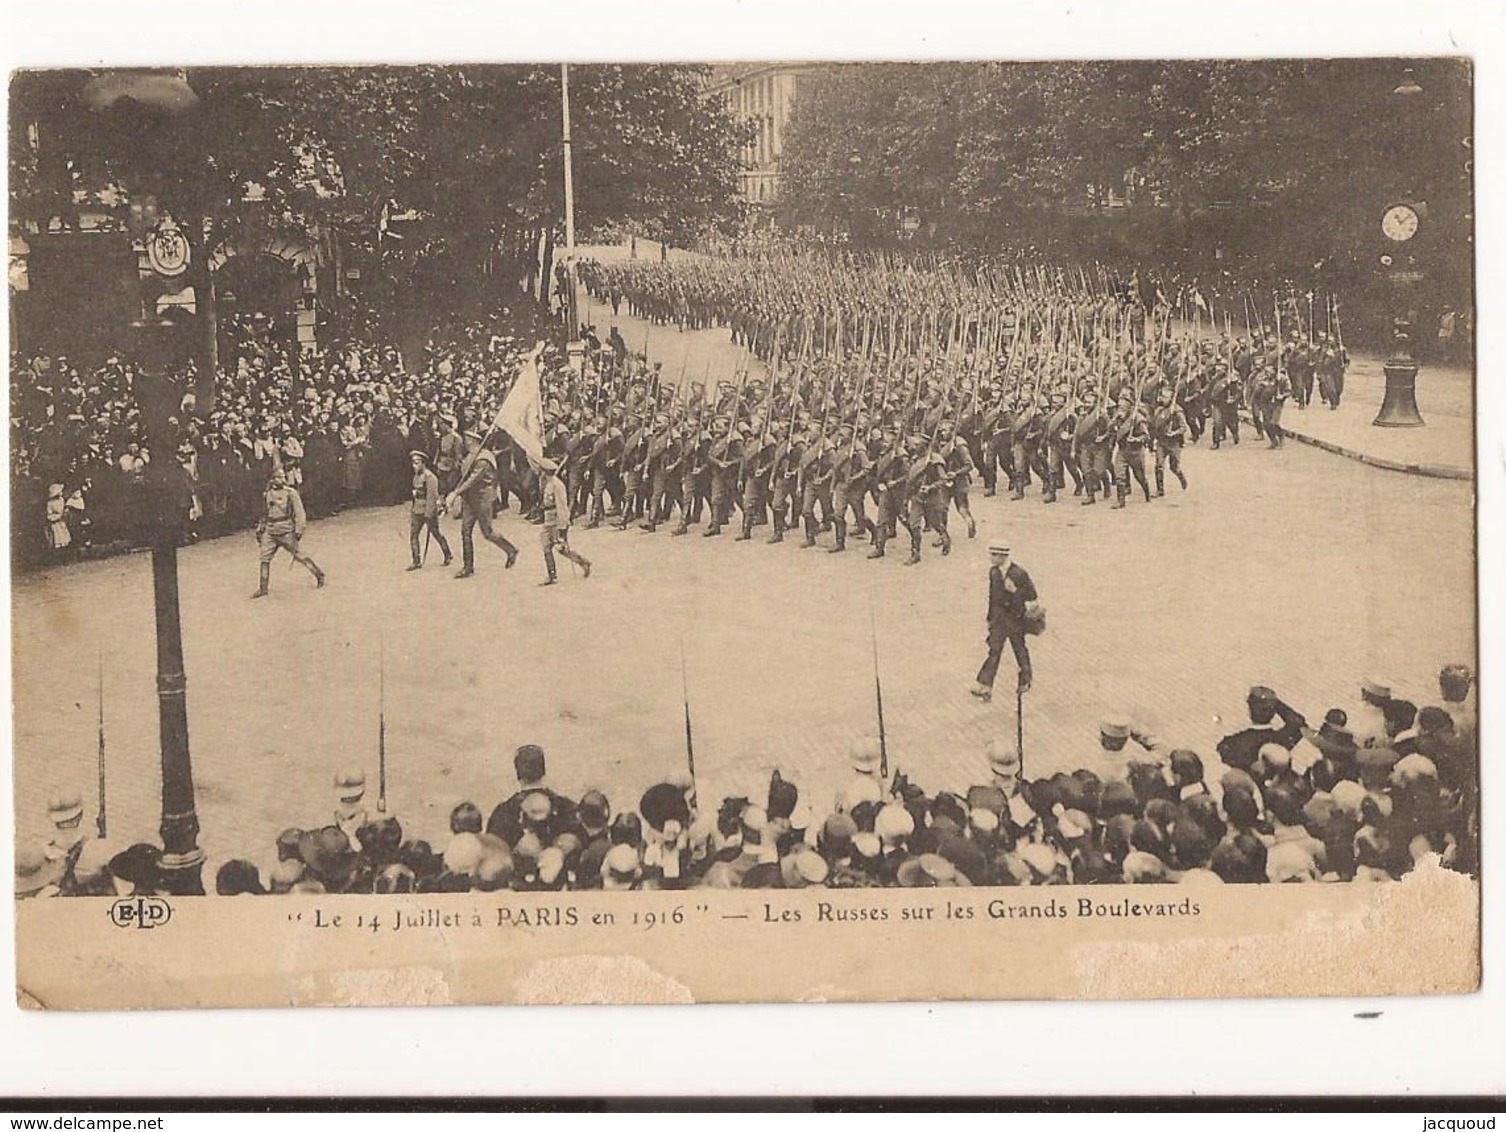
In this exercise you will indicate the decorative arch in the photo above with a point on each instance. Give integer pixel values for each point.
(299, 255)
(293, 251)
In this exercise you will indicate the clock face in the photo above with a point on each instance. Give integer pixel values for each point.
(1399, 223)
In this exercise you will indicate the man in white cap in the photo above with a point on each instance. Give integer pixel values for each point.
(1010, 590)
(556, 530)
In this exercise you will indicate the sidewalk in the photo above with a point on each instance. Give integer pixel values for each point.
(1444, 447)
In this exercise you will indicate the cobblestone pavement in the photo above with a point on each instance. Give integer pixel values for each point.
(1294, 568)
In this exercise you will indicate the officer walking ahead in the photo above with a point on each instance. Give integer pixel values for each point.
(281, 525)
(556, 532)
(424, 512)
(1010, 590)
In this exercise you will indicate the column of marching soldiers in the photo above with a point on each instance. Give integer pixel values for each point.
(899, 384)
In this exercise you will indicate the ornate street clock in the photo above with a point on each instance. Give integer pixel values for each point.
(1400, 223)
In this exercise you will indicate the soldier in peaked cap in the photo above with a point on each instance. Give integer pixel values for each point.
(423, 514)
(281, 528)
(555, 534)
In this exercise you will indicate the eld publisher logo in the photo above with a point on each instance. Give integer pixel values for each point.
(140, 912)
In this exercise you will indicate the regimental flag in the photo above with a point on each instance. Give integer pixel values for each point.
(521, 415)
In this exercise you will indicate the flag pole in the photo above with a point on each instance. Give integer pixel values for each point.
(574, 326)
(878, 693)
(99, 821)
(685, 694)
(381, 725)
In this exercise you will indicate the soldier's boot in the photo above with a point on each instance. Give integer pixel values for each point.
(1048, 495)
(1182, 478)
(946, 544)
(680, 527)
(810, 533)
(1091, 499)
(650, 524)
(972, 525)
(551, 579)
(266, 578)
(745, 532)
(713, 528)
(879, 539)
(840, 526)
(1160, 482)
(1145, 488)
(1119, 501)
(914, 559)
(778, 535)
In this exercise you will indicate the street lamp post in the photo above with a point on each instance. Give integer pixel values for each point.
(1400, 224)
(144, 105)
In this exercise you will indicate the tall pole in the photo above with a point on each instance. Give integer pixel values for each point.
(574, 324)
(145, 104)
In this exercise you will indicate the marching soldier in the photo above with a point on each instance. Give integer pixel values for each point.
(1058, 433)
(723, 458)
(849, 485)
(958, 464)
(890, 469)
(1225, 396)
(815, 484)
(1169, 432)
(757, 464)
(1131, 435)
(1092, 439)
(783, 476)
(281, 527)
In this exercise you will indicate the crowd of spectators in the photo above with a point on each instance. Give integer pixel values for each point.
(340, 420)
(1364, 796)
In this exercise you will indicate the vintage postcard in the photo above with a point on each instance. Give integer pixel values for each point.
(772, 531)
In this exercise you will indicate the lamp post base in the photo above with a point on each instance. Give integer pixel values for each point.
(1399, 410)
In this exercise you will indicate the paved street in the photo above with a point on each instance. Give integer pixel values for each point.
(1296, 568)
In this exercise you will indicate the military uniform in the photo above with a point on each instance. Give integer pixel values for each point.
(478, 492)
(849, 486)
(1131, 435)
(555, 534)
(1169, 432)
(281, 527)
(423, 512)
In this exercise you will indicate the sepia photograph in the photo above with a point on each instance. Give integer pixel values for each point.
(592, 532)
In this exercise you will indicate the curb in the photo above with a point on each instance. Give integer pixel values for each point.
(1433, 471)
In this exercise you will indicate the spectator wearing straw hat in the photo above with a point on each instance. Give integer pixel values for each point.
(1010, 593)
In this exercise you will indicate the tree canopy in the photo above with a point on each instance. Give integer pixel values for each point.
(994, 150)
(477, 149)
